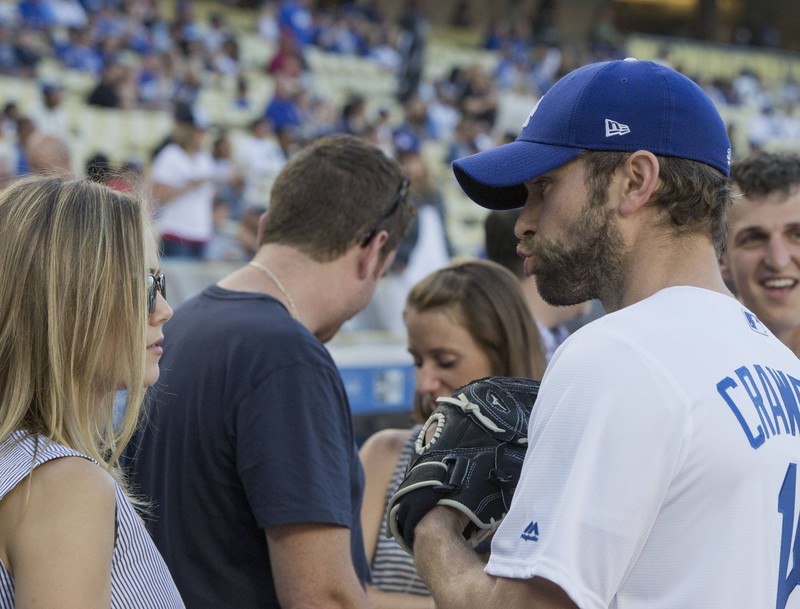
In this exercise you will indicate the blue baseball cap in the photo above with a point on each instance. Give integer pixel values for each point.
(623, 105)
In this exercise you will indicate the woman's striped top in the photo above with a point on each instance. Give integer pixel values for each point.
(392, 569)
(139, 577)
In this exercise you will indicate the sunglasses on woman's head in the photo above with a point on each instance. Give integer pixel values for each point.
(155, 283)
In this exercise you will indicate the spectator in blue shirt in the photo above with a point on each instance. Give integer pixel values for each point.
(283, 109)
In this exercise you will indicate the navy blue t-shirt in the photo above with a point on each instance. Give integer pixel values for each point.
(249, 427)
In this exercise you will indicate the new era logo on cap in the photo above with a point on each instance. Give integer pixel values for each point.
(528, 120)
(615, 128)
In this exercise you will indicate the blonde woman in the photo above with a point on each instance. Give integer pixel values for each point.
(81, 315)
(466, 321)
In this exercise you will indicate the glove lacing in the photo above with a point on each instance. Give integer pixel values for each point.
(468, 407)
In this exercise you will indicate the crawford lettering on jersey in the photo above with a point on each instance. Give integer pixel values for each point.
(764, 401)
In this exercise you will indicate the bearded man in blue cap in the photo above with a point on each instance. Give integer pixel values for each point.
(663, 446)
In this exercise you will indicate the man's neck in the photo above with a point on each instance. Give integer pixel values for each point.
(690, 262)
(311, 285)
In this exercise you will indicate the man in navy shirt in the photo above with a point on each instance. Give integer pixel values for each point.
(249, 454)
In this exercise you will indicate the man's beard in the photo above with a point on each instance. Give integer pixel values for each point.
(589, 266)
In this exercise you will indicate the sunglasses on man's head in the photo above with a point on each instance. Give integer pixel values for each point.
(399, 197)
(155, 283)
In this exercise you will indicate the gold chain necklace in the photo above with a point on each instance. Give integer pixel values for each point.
(279, 285)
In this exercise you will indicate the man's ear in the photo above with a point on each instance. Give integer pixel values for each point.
(640, 178)
(371, 256)
(262, 225)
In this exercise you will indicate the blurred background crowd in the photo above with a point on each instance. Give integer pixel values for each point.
(203, 102)
(110, 81)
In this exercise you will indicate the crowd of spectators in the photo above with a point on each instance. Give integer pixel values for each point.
(142, 56)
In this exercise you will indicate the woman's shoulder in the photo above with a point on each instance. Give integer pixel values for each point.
(57, 531)
(385, 443)
(74, 482)
(63, 500)
(53, 473)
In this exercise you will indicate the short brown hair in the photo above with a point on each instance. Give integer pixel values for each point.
(694, 196)
(330, 195)
(765, 172)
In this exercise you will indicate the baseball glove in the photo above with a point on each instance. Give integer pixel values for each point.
(468, 456)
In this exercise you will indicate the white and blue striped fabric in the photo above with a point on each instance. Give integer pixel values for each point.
(139, 577)
(393, 569)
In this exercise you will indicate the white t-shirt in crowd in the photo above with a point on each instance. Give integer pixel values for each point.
(189, 215)
(430, 252)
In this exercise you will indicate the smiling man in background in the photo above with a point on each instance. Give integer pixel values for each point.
(761, 260)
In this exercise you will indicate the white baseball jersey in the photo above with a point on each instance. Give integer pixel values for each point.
(663, 463)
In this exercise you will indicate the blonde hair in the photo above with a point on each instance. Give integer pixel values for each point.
(73, 316)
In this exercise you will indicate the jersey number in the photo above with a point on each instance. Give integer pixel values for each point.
(788, 580)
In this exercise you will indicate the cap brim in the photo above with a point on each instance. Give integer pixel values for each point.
(495, 179)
